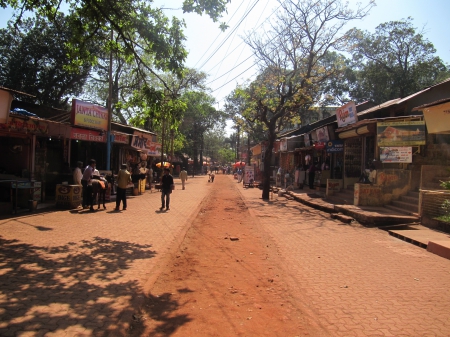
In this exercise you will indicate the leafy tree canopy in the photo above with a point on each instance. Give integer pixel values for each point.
(395, 61)
(33, 59)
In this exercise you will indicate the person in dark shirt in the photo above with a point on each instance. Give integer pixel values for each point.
(167, 186)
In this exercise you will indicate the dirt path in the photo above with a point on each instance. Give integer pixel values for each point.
(224, 280)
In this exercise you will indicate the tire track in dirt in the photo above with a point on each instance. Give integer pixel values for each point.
(223, 280)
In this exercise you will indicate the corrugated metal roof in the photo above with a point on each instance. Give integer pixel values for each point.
(379, 107)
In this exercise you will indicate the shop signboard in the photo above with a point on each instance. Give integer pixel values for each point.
(5, 105)
(396, 154)
(346, 114)
(322, 134)
(404, 133)
(89, 115)
(438, 118)
(143, 142)
(87, 135)
(121, 138)
(335, 146)
(27, 126)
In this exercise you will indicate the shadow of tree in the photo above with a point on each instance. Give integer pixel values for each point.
(67, 288)
(160, 309)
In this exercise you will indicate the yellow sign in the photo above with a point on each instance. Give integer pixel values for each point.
(89, 115)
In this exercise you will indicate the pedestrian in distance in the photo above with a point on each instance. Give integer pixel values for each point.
(123, 179)
(86, 183)
(312, 175)
(183, 177)
(211, 176)
(167, 186)
(77, 173)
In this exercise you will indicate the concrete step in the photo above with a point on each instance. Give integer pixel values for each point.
(401, 210)
(414, 194)
(339, 199)
(409, 199)
(406, 205)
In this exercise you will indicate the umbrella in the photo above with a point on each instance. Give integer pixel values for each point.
(239, 163)
(165, 164)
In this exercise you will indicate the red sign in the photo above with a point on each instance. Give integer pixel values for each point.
(31, 125)
(319, 145)
(87, 135)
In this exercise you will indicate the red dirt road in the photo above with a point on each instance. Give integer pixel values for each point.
(224, 280)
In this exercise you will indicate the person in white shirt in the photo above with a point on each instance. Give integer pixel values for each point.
(77, 174)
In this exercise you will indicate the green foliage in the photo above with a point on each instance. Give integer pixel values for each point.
(395, 61)
(34, 59)
(226, 156)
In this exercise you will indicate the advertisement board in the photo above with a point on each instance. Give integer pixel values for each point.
(322, 134)
(346, 114)
(404, 133)
(89, 115)
(396, 154)
(335, 146)
(249, 175)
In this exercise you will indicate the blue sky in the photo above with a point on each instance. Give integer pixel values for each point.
(232, 63)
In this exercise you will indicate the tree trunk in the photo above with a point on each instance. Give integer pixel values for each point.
(267, 162)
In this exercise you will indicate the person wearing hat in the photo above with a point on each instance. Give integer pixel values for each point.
(123, 179)
(167, 185)
(183, 177)
(77, 174)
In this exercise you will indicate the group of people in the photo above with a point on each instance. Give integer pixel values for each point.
(86, 176)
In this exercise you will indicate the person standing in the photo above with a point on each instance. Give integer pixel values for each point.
(85, 182)
(183, 177)
(239, 175)
(123, 179)
(77, 174)
(167, 185)
(312, 175)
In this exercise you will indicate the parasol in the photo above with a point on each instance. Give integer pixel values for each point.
(165, 164)
(239, 163)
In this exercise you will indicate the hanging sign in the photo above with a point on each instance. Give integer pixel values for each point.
(405, 133)
(346, 114)
(89, 115)
(396, 154)
(319, 145)
(283, 145)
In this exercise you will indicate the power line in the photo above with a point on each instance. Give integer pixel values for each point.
(234, 29)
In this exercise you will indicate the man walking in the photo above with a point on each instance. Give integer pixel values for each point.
(123, 179)
(183, 177)
(167, 186)
(85, 181)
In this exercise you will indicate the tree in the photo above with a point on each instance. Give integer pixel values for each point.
(33, 59)
(141, 28)
(395, 61)
(293, 58)
(199, 117)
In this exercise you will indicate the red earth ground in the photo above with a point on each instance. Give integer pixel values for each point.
(224, 279)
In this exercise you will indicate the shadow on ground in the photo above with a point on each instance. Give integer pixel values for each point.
(61, 288)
